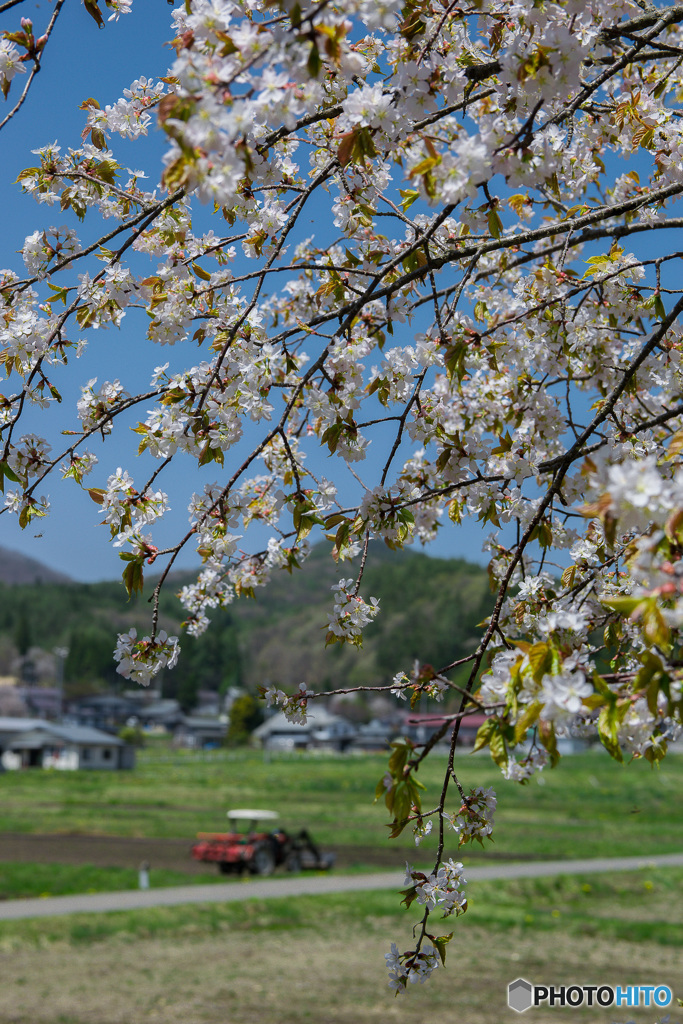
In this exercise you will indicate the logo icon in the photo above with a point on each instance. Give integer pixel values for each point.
(520, 995)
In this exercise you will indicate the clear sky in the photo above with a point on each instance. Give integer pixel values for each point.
(83, 61)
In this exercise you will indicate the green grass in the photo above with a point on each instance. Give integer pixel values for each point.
(643, 906)
(588, 806)
(321, 958)
(19, 880)
(634, 907)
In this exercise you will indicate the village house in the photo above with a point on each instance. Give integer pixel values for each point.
(322, 730)
(35, 743)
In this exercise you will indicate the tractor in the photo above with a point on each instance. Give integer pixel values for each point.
(257, 851)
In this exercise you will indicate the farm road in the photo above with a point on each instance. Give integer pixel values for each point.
(307, 886)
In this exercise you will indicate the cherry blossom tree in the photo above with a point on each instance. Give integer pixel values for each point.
(490, 297)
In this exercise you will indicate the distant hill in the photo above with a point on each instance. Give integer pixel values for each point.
(16, 568)
(430, 608)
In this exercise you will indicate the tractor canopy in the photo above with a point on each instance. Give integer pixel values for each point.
(252, 816)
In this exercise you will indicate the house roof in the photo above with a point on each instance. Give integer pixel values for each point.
(34, 739)
(84, 734)
(199, 722)
(317, 720)
(19, 730)
(10, 726)
(167, 708)
(102, 702)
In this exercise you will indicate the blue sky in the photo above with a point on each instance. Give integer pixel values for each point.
(83, 61)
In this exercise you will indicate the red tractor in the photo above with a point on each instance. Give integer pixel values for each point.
(259, 852)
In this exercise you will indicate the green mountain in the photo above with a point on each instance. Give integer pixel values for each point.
(429, 610)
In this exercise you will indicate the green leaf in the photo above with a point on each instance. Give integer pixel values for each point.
(608, 722)
(602, 687)
(504, 446)
(655, 628)
(594, 701)
(408, 197)
(5, 471)
(568, 577)
(94, 11)
(441, 941)
(397, 827)
(527, 719)
(596, 265)
(543, 534)
(480, 311)
(495, 224)
(498, 749)
(132, 575)
(332, 435)
(612, 634)
(98, 139)
(675, 446)
(345, 148)
(624, 605)
(314, 62)
(398, 758)
(29, 512)
(335, 519)
(541, 659)
(455, 511)
(546, 732)
(484, 734)
(204, 275)
(408, 895)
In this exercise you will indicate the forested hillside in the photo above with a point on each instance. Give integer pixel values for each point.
(429, 606)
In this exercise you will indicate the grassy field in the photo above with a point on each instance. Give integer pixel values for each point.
(588, 806)
(19, 880)
(320, 959)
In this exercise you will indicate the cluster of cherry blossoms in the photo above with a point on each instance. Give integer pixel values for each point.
(294, 707)
(442, 889)
(423, 242)
(474, 820)
(414, 966)
(350, 614)
(141, 660)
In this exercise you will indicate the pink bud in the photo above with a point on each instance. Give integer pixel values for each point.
(27, 24)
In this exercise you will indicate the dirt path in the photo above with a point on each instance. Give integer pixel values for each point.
(305, 885)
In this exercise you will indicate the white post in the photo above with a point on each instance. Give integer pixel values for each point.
(143, 875)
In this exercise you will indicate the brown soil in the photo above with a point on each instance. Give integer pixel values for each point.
(126, 852)
(174, 854)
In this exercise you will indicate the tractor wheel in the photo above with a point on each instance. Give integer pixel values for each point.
(224, 868)
(263, 861)
(293, 862)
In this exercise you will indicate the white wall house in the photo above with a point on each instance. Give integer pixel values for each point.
(33, 743)
(322, 730)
